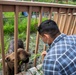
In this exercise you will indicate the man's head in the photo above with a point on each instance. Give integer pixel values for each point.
(48, 31)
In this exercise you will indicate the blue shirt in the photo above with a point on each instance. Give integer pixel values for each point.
(61, 56)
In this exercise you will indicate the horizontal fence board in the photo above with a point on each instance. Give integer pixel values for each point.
(23, 8)
(11, 5)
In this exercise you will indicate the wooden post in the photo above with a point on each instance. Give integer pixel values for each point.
(2, 41)
(37, 38)
(66, 19)
(16, 38)
(28, 28)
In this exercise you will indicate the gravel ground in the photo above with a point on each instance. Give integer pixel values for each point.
(1, 72)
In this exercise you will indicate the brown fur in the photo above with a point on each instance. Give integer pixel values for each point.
(22, 56)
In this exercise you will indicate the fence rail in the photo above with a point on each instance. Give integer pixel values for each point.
(64, 15)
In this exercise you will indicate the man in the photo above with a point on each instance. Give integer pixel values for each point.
(60, 58)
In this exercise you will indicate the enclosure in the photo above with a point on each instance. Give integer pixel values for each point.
(63, 14)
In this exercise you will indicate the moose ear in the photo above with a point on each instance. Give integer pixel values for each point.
(7, 59)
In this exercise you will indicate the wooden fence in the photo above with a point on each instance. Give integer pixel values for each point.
(64, 15)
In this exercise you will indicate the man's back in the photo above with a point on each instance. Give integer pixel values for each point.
(61, 56)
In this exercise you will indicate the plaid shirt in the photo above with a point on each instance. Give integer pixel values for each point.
(61, 56)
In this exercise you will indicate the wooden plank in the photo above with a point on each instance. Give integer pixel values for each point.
(23, 8)
(55, 17)
(46, 9)
(59, 18)
(28, 28)
(16, 38)
(63, 10)
(44, 49)
(11, 8)
(2, 41)
(70, 21)
(66, 23)
(37, 37)
(73, 31)
(43, 4)
(35, 9)
(50, 13)
(71, 25)
(63, 22)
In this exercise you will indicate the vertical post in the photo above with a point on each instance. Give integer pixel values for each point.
(73, 23)
(37, 38)
(55, 17)
(28, 28)
(70, 21)
(50, 13)
(66, 18)
(63, 22)
(74, 31)
(16, 38)
(2, 40)
(59, 17)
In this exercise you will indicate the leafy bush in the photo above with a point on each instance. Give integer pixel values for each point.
(22, 24)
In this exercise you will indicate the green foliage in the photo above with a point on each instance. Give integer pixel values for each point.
(59, 1)
(35, 56)
(34, 24)
(73, 3)
(0, 66)
(74, 0)
(6, 42)
(45, 0)
(22, 35)
(22, 25)
(8, 29)
(8, 14)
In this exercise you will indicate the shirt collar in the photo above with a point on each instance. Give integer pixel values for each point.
(61, 36)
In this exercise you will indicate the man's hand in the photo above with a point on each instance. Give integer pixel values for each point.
(43, 53)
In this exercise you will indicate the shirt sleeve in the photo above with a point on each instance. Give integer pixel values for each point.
(50, 67)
